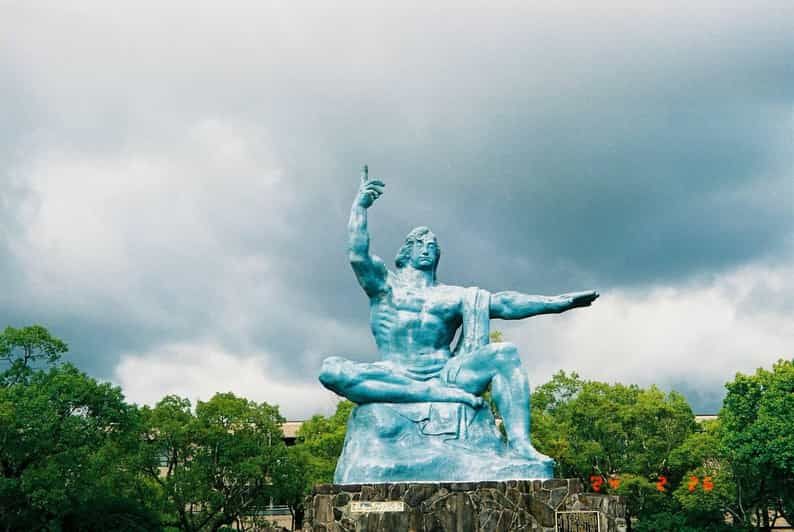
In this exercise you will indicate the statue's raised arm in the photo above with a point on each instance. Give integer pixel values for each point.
(516, 306)
(369, 269)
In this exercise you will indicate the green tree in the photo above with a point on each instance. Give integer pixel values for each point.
(706, 488)
(321, 438)
(65, 444)
(292, 481)
(651, 509)
(611, 431)
(592, 427)
(550, 423)
(216, 466)
(757, 437)
(22, 349)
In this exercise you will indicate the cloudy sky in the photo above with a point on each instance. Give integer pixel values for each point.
(175, 181)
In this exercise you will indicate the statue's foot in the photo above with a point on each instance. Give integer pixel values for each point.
(525, 450)
(456, 395)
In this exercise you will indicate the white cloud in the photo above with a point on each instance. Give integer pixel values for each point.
(129, 228)
(201, 369)
(700, 333)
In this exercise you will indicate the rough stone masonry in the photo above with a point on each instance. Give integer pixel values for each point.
(510, 506)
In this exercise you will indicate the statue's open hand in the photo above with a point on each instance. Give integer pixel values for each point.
(369, 191)
(582, 299)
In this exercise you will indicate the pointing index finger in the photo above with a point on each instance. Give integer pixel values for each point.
(364, 173)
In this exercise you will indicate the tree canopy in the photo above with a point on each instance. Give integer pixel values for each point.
(592, 427)
(21, 350)
(66, 443)
(757, 437)
(603, 432)
(321, 438)
(214, 466)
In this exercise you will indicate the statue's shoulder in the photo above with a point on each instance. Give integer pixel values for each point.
(458, 292)
(473, 297)
(462, 290)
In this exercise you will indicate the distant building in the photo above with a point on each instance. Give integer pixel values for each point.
(290, 430)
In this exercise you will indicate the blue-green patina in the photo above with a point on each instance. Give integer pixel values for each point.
(420, 414)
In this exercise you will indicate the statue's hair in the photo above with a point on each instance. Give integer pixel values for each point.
(404, 254)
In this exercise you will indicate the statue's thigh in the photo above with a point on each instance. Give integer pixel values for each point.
(472, 372)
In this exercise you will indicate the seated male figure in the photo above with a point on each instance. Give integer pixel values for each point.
(414, 319)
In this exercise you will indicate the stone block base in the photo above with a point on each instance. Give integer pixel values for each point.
(511, 506)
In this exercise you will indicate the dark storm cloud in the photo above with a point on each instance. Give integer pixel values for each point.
(550, 150)
(702, 400)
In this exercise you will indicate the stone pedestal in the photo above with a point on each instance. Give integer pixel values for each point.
(511, 506)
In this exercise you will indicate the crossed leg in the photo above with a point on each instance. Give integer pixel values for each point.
(379, 383)
(464, 380)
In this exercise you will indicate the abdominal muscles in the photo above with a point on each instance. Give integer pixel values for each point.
(416, 339)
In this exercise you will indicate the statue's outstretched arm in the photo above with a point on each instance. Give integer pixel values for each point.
(515, 305)
(369, 269)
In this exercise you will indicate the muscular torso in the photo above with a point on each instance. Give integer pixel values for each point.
(415, 326)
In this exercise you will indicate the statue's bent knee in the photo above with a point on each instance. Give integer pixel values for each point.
(332, 375)
(506, 353)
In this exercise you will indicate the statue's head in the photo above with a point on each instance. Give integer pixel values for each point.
(420, 250)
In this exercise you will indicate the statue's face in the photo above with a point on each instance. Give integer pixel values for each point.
(424, 252)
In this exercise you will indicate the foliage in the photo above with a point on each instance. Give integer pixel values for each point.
(677, 522)
(702, 447)
(292, 481)
(110, 512)
(549, 404)
(706, 488)
(642, 497)
(65, 444)
(758, 440)
(741, 465)
(592, 427)
(321, 438)
(612, 431)
(215, 466)
(21, 349)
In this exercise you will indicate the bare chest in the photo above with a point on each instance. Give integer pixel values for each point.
(438, 302)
